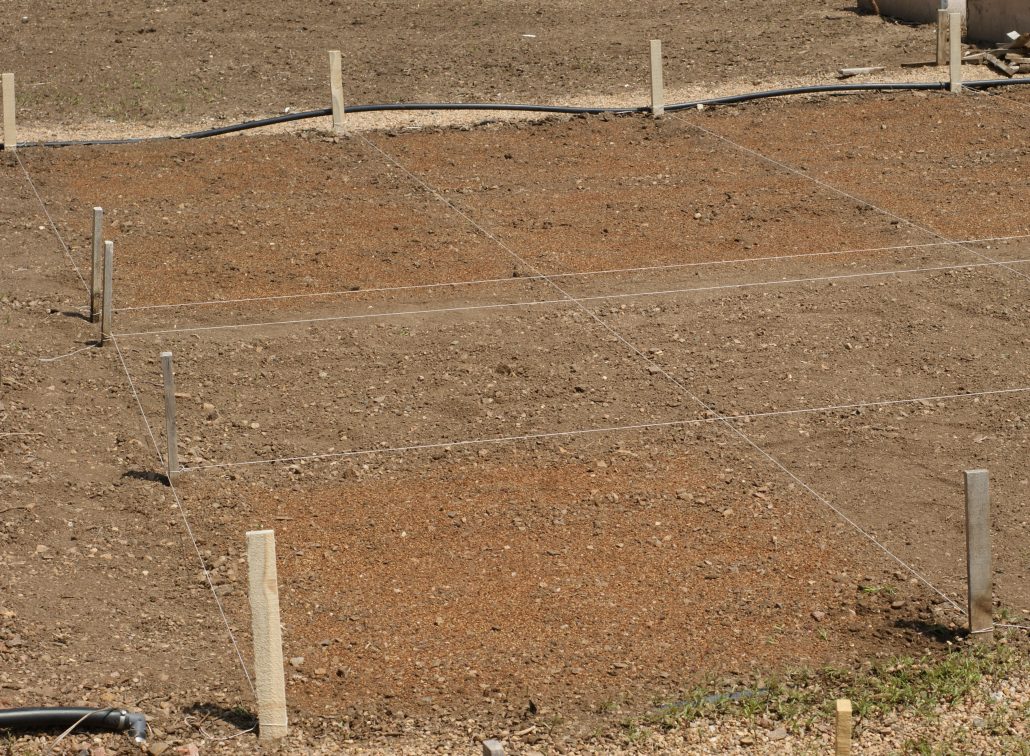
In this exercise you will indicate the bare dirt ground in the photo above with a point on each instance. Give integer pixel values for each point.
(531, 505)
(140, 62)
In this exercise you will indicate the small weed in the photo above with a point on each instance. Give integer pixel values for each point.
(553, 722)
(922, 747)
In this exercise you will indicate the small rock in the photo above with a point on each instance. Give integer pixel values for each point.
(778, 734)
(897, 604)
(818, 616)
(157, 749)
(296, 661)
(493, 747)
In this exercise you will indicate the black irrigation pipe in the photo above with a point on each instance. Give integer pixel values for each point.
(564, 109)
(37, 719)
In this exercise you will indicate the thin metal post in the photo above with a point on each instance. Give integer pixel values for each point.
(978, 555)
(172, 446)
(96, 280)
(107, 293)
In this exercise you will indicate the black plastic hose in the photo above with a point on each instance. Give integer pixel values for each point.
(61, 718)
(566, 109)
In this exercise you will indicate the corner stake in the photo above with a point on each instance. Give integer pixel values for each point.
(657, 82)
(955, 57)
(843, 730)
(268, 640)
(336, 88)
(10, 126)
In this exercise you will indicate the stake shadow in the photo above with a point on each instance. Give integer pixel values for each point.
(237, 717)
(933, 630)
(148, 475)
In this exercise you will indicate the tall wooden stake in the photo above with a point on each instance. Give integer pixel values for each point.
(843, 741)
(96, 279)
(978, 555)
(107, 293)
(336, 87)
(943, 24)
(657, 83)
(171, 444)
(268, 641)
(10, 125)
(955, 56)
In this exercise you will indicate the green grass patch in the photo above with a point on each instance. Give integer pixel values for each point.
(799, 698)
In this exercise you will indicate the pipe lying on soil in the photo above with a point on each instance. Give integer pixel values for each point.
(117, 720)
(566, 109)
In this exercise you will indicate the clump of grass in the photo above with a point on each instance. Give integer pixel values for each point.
(917, 685)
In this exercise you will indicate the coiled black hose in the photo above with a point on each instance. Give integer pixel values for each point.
(61, 718)
(567, 109)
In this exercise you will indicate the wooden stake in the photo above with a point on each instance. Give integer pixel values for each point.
(106, 294)
(657, 83)
(336, 87)
(98, 265)
(978, 555)
(843, 744)
(172, 445)
(943, 23)
(955, 56)
(10, 125)
(268, 642)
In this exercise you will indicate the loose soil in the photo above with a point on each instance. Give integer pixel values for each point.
(134, 62)
(558, 583)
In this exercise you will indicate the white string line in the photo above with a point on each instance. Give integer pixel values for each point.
(855, 198)
(745, 417)
(211, 585)
(608, 271)
(135, 395)
(69, 354)
(591, 298)
(185, 519)
(843, 193)
(150, 431)
(681, 385)
(53, 225)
